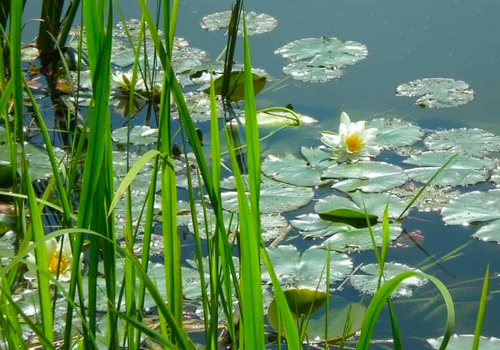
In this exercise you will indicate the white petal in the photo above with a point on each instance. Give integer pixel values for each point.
(330, 140)
(373, 151)
(51, 246)
(344, 118)
(371, 131)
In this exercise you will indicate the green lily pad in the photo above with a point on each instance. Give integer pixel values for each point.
(198, 104)
(256, 23)
(38, 160)
(462, 171)
(275, 197)
(299, 172)
(296, 270)
(354, 208)
(464, 342)
(393, 133)
(366, 176)
(437, 92)
(341, 312)
(272, 225)
(359, 239)
(139, 135)
(272, 119)
(470, 142)
(312, 226)
(476, 207)
(320, 59)
(367, 283)
(434, 198)
(236, 87)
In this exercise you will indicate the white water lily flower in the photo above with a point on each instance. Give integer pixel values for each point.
(353, 141)
(123, 82)
(58, 261)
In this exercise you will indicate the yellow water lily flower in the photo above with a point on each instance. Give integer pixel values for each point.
(58, 260)
(353, 142)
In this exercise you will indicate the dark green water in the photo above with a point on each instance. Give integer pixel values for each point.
(407, 40)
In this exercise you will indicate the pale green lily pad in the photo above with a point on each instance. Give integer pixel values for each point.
(475, 207)
(437, 92)
(471, 142)
(312, 226)
(272, 119)
(296, 270)
(341, 313)
(320, 59)
(464, 342)
(275, 197)
(256, 23)
(366, 176)
(434, 198)
(367, 283)
(38, 160)
(198, 104)
(354, 208)
(272, 225)
(299, 172)
(462, 171)
(139, 135)
(393, 133)
(359, 239)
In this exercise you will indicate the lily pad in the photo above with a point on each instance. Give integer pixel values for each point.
(139, 135)
(299, 172)
(359, 239)
(366, 176)
(256, 23)
(271, 119)
(437, 92)
(367, 283)
(476, 207)
(434, 198)
(236, 86)
(464, 342)
(320, 59)
(296, 270)
(393, 133)
(340, 313)
(462, 171)
(38, 160)
(272, 225)
(335, 206)
(275, 197)
(470, 142)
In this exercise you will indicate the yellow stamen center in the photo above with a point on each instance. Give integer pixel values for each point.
(354, 143)
(55, 263)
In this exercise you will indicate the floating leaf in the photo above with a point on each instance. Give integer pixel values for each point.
(295, 171)
(272, 225)
(198, 104)
(367, 283)
(437, 92)
(366, 176)
(256, 23)
(341, 207)
(393, 133)
(464, 342)
(275, 197)
(432, 199)
(462, 171)
(475, 207)
(341, 312)
(236, 86)
(320, 59)
(296, 270)
(38, 160)
(139, 135)
(277, 118)
(470, 142)
(312, 226)
(359, 239)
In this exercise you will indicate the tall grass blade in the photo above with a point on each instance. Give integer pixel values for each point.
(384, 293)
(481, 310)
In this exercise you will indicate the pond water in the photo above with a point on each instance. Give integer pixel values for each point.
(406, 40)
